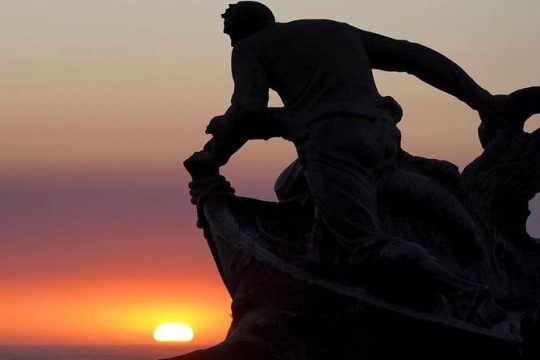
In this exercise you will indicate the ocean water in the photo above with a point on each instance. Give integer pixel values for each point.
(150, 352)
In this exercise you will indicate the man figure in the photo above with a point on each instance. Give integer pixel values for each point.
(344, 131)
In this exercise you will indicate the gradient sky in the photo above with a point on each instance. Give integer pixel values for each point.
(101, 100)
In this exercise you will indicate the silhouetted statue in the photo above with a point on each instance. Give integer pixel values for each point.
(365, 236)
(344, 131)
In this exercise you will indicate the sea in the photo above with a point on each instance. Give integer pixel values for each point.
(108, 352)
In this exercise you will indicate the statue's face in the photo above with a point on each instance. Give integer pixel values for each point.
(230, 27)
(227, 25)
(229, 30)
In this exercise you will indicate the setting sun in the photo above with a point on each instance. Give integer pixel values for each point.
(173, 332)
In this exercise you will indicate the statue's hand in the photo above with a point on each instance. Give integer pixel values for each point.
(492, 114)
(217, 127)
(494, 110)
(201, 164)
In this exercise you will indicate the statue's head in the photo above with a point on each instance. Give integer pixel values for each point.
(246, 18)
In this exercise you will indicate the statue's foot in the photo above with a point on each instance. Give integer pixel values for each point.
(405, 273)
(465, 303)
(402, 272)
(488, 314)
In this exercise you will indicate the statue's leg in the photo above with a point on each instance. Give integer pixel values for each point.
(340, 160)
(414, 192)
(344, 190)
(404, 262)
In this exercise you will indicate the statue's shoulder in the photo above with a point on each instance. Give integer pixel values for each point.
(301, 25)
(316, 23)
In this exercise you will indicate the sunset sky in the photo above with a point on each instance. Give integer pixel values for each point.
(101, 101)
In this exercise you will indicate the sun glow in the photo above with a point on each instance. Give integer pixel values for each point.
(173, 332)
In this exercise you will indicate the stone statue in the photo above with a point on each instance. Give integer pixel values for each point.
(370, 252)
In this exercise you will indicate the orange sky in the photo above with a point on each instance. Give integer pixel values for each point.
(100, 101)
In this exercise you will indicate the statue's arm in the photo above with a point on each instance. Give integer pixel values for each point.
(223, 145)
(248, 117)
(428, 65)
(249, 102)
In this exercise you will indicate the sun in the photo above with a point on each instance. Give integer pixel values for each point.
(173, 332)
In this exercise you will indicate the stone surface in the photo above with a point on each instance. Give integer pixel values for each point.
(370, 252)
(286, 307)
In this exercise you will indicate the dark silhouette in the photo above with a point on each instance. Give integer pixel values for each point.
(371, 252)
(343, 129)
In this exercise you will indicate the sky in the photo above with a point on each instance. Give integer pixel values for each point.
(102, 100)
